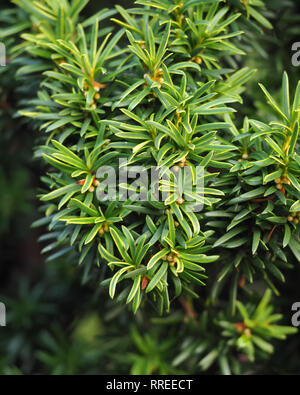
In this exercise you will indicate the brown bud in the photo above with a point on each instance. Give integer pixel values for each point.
(240, 327)
(106, 228)
(101, 231)
(180, 200)
(285, 180)
(145, 282)
(97, 86)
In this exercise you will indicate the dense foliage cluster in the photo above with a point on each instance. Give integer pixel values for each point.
(163, 84)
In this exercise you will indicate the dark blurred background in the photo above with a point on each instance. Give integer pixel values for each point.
(55, 323)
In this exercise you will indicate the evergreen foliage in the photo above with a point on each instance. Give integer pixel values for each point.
(163, 83)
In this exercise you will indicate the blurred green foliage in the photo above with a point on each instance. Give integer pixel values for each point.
(56, 324)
